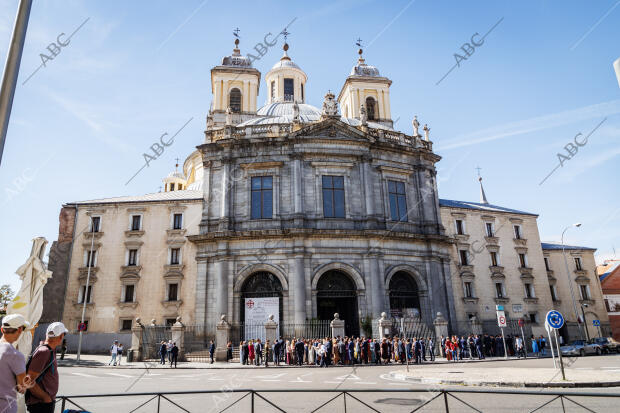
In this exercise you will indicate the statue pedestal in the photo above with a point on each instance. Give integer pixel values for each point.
(270, 330)
(178, 337)
(337, 326)
(137, 333)
(385, 326)
(222, 336)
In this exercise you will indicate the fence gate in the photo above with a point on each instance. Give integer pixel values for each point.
(196, 340)
(152, 336)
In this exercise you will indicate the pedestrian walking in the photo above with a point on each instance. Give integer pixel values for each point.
(119, 352)
(12, 362)
(212, 351)
(63, 349)
(163, 350)
(174, 355)
(229, 350)
(42, 368)
(113, 353)
(534, 346)
(251, 352)
(431, 348)
(258, 352)
(168, 348)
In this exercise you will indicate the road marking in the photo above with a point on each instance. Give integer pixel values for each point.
(83, 374)
(398, 384)
(365, 382)
(348, 377)
(271, 380)
(119, 375)
(270, 376)
(333, 382)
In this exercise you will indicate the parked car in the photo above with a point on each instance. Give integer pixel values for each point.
(581, 348)
(608, 344)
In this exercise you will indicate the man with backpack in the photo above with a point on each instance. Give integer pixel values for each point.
(43, 370)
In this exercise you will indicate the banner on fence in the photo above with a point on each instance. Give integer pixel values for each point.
(257, 311)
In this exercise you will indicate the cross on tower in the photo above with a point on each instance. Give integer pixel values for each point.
(236, 32)
(177, 165)
(285, 33)
(359, 42)
(478, 169)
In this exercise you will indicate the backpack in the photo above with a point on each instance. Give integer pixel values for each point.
(45, 370)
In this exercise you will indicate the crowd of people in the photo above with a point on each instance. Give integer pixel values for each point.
(361, 350)
(168, 350)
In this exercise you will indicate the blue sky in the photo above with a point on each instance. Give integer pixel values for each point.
(136, 70)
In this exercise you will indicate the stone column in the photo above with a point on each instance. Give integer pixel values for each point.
(337, 326)
(222, 336)
(221, 286)
(378, 289)
(441, 329)
(137, 334)
(225, 194)
(300, 290)
(475, 326)
(385, 326)
(297, 176)
(178, 336)
(271, 328)
(368, 192)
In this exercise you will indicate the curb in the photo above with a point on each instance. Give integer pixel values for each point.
(567, 384)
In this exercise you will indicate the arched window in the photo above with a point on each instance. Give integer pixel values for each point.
(371, 108)
(258, 285)
(404, 297)
(235, 100)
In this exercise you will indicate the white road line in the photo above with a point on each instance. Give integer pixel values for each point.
(365, 382)
(83, 374)
(119, 375)
(271, 380)
(333, 382)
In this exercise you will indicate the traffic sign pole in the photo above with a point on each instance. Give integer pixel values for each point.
(523, 338)
(505, 349)
(555, 333)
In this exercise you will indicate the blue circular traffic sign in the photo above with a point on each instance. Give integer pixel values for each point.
(555, 319)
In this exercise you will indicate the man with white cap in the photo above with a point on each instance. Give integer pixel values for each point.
(43, 369)
(12, 362)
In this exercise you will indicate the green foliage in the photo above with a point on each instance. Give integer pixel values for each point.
(6, 295)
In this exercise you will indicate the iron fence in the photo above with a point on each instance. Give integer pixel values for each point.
(412, 400)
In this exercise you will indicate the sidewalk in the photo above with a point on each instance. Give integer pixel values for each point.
(510, 377)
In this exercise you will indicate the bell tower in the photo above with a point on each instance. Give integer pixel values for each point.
(234, 84)
(365, 86)
(286, 82)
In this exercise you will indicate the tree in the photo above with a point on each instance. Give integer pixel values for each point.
(6, 295)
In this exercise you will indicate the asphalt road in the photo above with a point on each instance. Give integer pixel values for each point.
(408, 396)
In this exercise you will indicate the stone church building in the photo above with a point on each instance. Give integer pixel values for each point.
(328, 209)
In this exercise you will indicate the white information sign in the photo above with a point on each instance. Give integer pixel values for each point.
(501, 319)
(257, 311)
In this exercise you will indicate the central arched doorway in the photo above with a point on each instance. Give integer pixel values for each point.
(336, 293)
(404, 295)
(260, 285)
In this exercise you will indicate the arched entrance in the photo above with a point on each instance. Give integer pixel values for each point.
(336, 293)
(259, 285)
(404, 295)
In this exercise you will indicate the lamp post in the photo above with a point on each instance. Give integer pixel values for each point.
(570, 282)
(585, 326)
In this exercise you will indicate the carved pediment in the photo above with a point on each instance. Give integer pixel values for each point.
(332, 128)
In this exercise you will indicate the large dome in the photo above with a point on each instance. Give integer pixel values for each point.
(282, 112)
(362, 69)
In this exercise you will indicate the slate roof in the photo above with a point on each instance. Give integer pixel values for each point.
(558, 246)
(185, 195)
(480, 207)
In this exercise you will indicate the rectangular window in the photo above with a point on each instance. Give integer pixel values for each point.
(499, 290)
(533, 318)
(289, 90)
(585, 292)
(459, 227)
(333, 196)
(529, 290)
(135, 222)
(469, 289)
(494, 261)
(94, 224)
(547, 267)
(273, 90)
(132, 258)
(489, 227)
(398, 203)
(607, 306)
(82, 294)
(177, 221)
(464, 257)
(517, 231)
(126, 325)
(91, 258)
(172, 187)
(175, 256)
(129, 292)
(170, 322)
(578, 263)
(554, 295)
(262, 197)
(173, 290)
(522, 260)
(302, 92)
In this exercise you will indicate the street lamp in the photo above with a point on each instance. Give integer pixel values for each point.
(585, 326)
(570, 282)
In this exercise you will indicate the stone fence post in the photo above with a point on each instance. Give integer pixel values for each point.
(337, 326)
(222, 337)
(441, 329)
(137, 335)
(385, 326)
(178, 336)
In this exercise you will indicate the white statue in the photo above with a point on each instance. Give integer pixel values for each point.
(416, 126)
(426, 131)
(229, 116)
(296, 117)
(330, 106)
(363, 115)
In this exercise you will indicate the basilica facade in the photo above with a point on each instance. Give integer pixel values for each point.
(326, 209)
